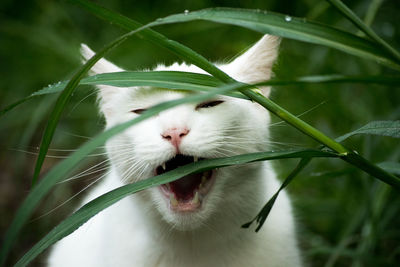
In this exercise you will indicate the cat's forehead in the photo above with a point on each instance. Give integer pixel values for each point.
(148, 96)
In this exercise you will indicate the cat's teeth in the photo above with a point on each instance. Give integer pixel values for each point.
(173, 200)
(203, 178)
(195, 159)
(163, 166)
(196, 198)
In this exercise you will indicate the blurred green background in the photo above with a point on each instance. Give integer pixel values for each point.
(345, 217)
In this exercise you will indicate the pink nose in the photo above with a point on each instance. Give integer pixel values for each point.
(175, 135)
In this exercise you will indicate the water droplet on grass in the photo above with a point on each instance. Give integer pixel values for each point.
(288, 18)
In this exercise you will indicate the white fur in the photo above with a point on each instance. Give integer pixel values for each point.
(141, 230)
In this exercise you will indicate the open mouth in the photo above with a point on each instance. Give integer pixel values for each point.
(188, 192)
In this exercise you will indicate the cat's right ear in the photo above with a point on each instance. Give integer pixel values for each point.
(255, 65)
(106, 93)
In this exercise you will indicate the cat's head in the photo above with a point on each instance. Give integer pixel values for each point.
(219, 127)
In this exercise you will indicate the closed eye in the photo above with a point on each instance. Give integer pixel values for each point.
(139, 110)
(209, 104)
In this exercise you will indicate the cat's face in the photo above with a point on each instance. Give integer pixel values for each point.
(219, 127)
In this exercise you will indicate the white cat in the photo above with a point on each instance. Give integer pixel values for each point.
(195, 221)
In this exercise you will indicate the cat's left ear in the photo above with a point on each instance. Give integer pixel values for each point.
(106, 93)
(255, 65)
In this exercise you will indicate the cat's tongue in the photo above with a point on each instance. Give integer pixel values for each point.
(186, 193)
(184, 188)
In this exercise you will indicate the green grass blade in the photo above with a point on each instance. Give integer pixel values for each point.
(391, 167)
(263, 214)
(290, 27)
(382, 128)
(92, 208)
(347, 155)
(349, 14)
(154, 37)
(293, 120)
(198, 82)
(371, 12)
(373, 170)
(13, 105)
(63, 100)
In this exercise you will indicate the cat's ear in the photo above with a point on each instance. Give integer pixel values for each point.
(106, 93)
(255, 65)
(101, 66)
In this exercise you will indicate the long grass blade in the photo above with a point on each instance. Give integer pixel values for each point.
(355, 159)
(391, 167)
(382, 128)
(263, 214)
(63, 100)
(154, 37)
(350, 15)
(92, 208)
(198, 82)
(290, 27)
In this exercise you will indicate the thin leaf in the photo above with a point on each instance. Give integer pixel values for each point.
(263, 214)
(197, 82)
(390, 166)
(382, 128)
(289, 27)
(63, 100)
(371, 12)
(164, 79)
(349, 14)
(92, 208)
(156, 38)
(355, 159)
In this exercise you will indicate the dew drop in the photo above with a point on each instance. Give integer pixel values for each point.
(288, 18)
(186, 12)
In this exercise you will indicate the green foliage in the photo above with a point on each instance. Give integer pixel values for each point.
(380, 203)
(383, 128)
